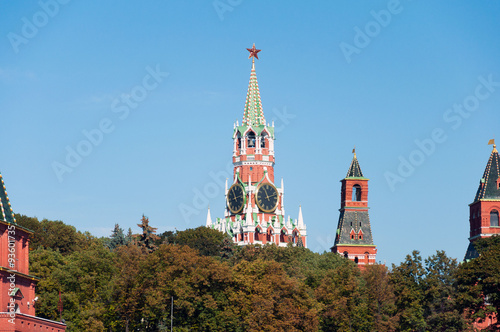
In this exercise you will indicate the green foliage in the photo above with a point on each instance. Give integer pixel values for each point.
(407, 282)
(147, 239)
(380, 298)
(344, 305)
(208, 242)
(478, 282)
(117, 238)
(55, 235)
(440, 311)
(219, 287)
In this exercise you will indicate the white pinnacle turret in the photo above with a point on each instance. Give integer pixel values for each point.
(300, 222)
(209, 218)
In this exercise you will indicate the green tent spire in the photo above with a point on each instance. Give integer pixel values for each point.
(6, 213)
(253, 113)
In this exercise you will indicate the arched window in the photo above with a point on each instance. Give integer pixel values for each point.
(251, 139)
(494, 218)
(239, 141)
(257, 234)
(346, 254)
(263, 140)
(282, 236)
(356, 260)
(295, 237)
(367, 258)
(269, 235)
(356, 193)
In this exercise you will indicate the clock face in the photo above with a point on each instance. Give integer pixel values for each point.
(267, 197)
(235, 198)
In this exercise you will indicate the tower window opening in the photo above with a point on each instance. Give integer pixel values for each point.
(346, 254)
(239, 141)
(494, 218)
(352, 237)
(251, 139)
(282, 236)
(356, 193)
(356, 260)
(257, 235)
(263, 143)
(269, 235)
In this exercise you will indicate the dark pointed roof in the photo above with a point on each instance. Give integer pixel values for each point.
(488, 185)
(356, 222)
(354, 170)
(6, 213)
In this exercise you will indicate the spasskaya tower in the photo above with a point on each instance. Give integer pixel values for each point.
(255, 210)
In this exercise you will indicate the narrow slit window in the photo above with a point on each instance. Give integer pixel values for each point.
(494, 218)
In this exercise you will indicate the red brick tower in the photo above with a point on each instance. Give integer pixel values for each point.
(484, 211)
(17, 286)
(255, 209)
(354, 235)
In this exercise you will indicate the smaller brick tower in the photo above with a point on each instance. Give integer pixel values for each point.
(17, 287)
(353, 239)
(484, 211)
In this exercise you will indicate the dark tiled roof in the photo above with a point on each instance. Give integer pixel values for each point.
(6, 213)
(357, 221)
(471, 252)
(354, 170)
(488, 185)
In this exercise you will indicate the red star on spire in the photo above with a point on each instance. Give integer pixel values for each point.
(253, 52)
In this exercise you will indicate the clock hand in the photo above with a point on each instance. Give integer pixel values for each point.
(265, 191)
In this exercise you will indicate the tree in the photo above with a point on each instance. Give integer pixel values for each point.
(406, 280)
(208, 242)
(117, 238)
(147, 239)
(55, 234)
(440, 293)
(478, 282)
(201, 287)
(130, 237)
(344, 306)
(43, 264)
(86, 289)
(267, 299)
(127, 292)
(380, 298)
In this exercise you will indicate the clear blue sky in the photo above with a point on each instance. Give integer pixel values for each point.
(77, 66)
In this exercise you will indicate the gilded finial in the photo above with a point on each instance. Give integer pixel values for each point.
(354, 151)
(492, 141)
